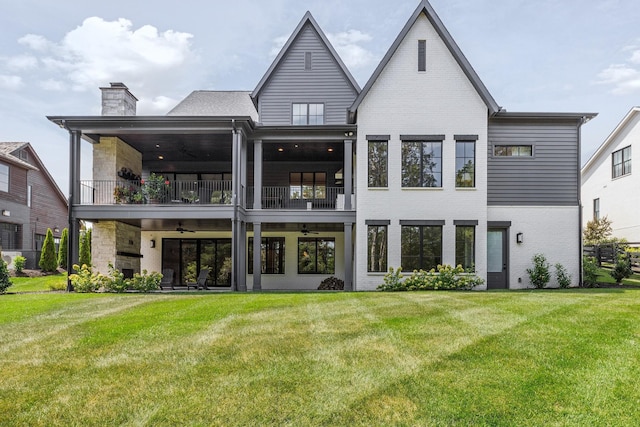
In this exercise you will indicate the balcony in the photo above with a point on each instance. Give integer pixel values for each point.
(203, 192)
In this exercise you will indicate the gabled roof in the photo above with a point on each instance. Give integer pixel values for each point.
(216, 104)
(6, 153)
(306, 19)
(425, 7)
(611, 138)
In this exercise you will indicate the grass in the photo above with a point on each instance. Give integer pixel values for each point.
(38, 284)
(307, 359)
(604, 276)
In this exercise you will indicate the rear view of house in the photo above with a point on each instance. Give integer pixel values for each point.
(308, 176)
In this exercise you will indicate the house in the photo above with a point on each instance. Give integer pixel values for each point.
(30, 203)
(609, 187)
(308, 176)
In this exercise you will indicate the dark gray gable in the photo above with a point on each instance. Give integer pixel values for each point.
(289, 79)
(425, 7)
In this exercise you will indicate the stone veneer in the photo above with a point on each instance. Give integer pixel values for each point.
(118, 101)
(111, 237)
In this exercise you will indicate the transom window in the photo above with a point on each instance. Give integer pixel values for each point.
(378, 155)
(316, 255)
(4, 178)
(421, 247)
(465, 164)
(513, 150)
(307, 114)
(307, 185)
(421, 164)
(271, 255)
(621, 161)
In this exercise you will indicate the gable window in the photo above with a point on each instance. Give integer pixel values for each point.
(4, 178)
(466, 244)
(271, 255)
(422, 55)
(465, 164)
(421, 246)
(307, 185)
(422, 164)
(621, 162)
(29, 190)
(513, 150)
(316, 255)
(377, 246)
(596, 209)
(307, 114)
(378, 164)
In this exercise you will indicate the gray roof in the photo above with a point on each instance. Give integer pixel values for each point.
(216, 104)
(6, 148)
(427, 9)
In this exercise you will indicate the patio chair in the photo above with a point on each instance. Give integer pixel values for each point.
(167, 278)
(201, 281)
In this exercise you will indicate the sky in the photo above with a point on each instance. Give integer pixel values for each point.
(542, 56)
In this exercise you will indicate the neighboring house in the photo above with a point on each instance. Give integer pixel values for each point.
(308, 177)
(30, 203)
(609, 187)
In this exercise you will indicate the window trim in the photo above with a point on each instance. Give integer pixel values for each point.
(8, 168)
(421, 255)
(471, 225)
(494, 156)
(316, 239)
(267, 240)
(422, 139)
(422, 56)
(308, 104)
(464, 141)
(596, 209)
(386, 163)
(384, 225)
(622, 163)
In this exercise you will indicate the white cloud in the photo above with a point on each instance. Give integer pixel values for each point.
(53, 85)
(156, 106)
(348, 46)
(625, 78)
(278, 44)
(36, 42)
(10, 82)
(21, 62)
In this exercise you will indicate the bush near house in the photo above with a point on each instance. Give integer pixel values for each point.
(5, 282)
(622, 269)
(48, 258)
(63, 248)
(539, 275)
(445, 277)
(19, 263)
(85, 249)
(589, 271)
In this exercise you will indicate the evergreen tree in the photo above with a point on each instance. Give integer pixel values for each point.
(62, 251)
(85, 250)
(5, 282)
(48, 258)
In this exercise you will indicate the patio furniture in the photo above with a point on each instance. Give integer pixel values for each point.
(167, 278)
(201, 281)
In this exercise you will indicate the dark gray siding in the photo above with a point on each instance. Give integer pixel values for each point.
(290, 83)
(549, 178)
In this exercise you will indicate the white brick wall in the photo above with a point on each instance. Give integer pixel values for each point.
(620, 197)
(405, 101)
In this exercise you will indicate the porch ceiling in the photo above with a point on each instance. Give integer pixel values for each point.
(203, 225)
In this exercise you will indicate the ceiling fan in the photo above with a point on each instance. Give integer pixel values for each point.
(306, 231)
(183, 230)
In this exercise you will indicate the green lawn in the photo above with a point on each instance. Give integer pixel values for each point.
(38, 284)
(307, 359)
(604, 276)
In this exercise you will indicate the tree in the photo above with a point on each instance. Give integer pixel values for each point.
(62, 251)
(5, 282)
(85, 249)
(597, 231)
(48, 258)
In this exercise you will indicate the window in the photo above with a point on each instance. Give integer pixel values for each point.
(316, 255)
(186, 257)
(308, 185)
(307, 61)
(271, 254)
(421, 247)
(422, 164)
(10, 237)
(378, 152)
(377, 248)
(4, 178)
(465, 246)
(596, 209)
(465, 164)
(29, 189)
(307, 114)
(621, 160)
(513, 150)
(422, 55)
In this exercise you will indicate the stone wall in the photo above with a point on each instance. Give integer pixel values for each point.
(118, 101)
(110, 238)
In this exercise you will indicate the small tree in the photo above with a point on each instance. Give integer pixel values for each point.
(622, 269)
(589, 271)
(48, 258)
(62, 250)
(4, 276)
(597, 231)
(19, 263)
(539, 275)
(85, 250)
(563, 276)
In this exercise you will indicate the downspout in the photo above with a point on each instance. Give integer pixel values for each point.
(234, 221)
(582, 121)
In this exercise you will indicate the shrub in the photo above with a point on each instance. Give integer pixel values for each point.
(62, 250)
(48, 258)
(589, 271)
(539, 275)
(622, 269)
(85, 280)
(4, 277)
(146, 282)
(85, 249)
(18, 264)
(563, 276)
(446, 277)
(115, 281)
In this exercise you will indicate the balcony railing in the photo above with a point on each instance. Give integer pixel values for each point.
(204, 192)
(169, 192)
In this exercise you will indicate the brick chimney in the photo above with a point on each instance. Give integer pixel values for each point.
(118, 101)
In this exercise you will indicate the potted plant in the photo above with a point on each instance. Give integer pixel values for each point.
(155, 188)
